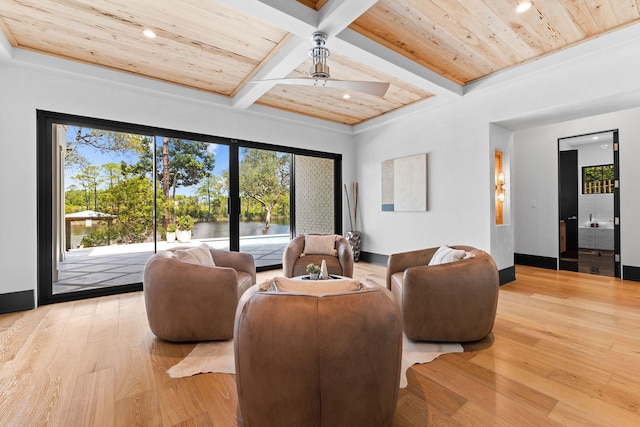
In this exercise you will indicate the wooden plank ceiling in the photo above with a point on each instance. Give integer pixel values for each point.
(218, 47)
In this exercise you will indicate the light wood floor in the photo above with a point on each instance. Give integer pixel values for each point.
(565, 350)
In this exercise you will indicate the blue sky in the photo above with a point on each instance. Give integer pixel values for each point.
(97, 158)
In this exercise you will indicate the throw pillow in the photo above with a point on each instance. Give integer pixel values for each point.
(196, 255)
(445, 254)
(283, 284)
(320, 245)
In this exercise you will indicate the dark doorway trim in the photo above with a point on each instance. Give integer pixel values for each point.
(616, 197)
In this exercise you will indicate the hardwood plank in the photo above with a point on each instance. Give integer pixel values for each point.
(141, 410)
(92, 402)
(563, 352)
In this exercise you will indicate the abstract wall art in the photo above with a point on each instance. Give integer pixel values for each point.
(404, 184)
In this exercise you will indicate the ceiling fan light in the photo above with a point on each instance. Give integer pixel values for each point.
(319, 71)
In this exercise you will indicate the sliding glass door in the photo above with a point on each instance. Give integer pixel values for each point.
(104, 212)
(265, 200)
(111, 194)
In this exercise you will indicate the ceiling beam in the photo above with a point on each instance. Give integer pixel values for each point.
(333, 19)
(336, 15)
(300, 20)
(286, 59)
(361, 49)
(290, 16)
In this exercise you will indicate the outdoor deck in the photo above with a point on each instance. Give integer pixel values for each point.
(105, 266)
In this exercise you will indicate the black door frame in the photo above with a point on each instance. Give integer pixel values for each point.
(616, 196)
(44, 191)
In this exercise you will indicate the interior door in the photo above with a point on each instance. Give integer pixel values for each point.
(568, 176)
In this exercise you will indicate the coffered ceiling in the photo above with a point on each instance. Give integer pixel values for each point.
(426, 49)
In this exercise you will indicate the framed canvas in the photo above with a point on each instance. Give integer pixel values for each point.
(404, 184)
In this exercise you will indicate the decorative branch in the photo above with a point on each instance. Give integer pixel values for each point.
(353, 215)
(348, 205)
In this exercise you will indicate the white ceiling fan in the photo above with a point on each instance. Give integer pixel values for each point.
(319, 74)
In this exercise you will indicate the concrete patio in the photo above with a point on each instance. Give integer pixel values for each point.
(115, 265)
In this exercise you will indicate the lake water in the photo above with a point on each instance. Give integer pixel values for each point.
(201, 230)
(209, 230)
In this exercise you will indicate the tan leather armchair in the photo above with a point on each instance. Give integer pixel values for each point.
(317, 360)
(293, 264)
(192, 302)
(453, 302)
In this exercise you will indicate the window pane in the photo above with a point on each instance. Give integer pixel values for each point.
(192, 193)
(264, 204)
(106, 221)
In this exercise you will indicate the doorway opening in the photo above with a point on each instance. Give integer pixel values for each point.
(589, 203)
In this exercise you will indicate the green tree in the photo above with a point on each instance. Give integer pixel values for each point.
(182, 163)
(89, 180)
(211, 191)
(113, 172)
(264, 177)
(130, 200)
(74, 199)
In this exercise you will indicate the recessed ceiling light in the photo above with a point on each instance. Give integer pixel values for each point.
(596, 137)
(149, 33)
(524, 6)
(346, 96)
(604, 145)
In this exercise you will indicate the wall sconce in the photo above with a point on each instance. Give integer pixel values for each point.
(500, 185)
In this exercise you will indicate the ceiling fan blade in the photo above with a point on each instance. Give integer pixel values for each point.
(370, 88)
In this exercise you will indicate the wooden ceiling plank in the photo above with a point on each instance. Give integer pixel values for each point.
(482, 30)
(451, 34)
(499, 28)
(116, 36)
(456, 18)
(424, 43)
(258, 38)
(581, 15)
(603, 14)
(626, 10)
(531, 26)
(219, 45)
(129, 59)
(121, 31)
(392, 63)
(285, 104)
(554, 18)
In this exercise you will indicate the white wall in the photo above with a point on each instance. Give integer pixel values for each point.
(25, 89)
(457, 176)
(536, 177)
(460, 138)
